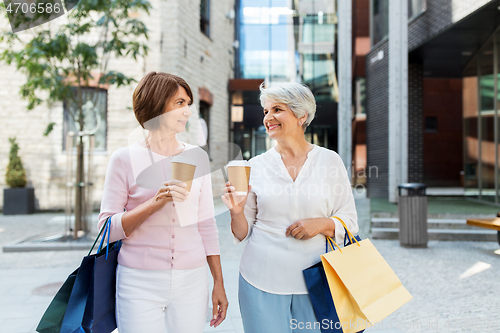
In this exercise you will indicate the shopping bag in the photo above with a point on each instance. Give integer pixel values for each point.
(52, 318)
(320, 295)
(66, 307)
(348, 240)
(364, 288)
(91, 306)
(321, 299)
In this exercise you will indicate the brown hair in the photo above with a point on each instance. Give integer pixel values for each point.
(152, 93)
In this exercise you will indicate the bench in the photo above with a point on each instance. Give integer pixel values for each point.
(487, 223)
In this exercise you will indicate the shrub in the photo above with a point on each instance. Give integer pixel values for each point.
(15, 175)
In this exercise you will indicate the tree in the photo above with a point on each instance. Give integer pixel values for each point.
(15, 175)
(60, 60)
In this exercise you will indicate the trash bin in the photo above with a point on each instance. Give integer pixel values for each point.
(412, 211)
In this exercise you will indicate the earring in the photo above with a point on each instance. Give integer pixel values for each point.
(300, 123)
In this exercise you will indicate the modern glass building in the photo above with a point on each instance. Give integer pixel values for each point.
(282, 41)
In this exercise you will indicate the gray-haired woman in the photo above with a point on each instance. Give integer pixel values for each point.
(297, 194)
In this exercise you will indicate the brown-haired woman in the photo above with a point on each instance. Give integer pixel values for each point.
(162, 276)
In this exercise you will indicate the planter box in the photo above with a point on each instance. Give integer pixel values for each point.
(18, 200)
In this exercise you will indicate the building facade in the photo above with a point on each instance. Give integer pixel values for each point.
(192, 39)
(452, 96)
(283, 41)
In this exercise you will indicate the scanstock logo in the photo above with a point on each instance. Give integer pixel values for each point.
(26, 14)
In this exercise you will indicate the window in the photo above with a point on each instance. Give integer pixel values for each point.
(431, 124)
(379, 20)
(360, 98)
(205, 17)
(95, 112)
(416, 7)
(266, 38)
(204, 121)
(318, 28)
(318, 72)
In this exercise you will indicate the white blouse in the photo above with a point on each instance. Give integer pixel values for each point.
(271, 261)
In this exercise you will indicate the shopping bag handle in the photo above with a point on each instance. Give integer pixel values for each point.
(351, 237)
(107, 229)
(330, 240)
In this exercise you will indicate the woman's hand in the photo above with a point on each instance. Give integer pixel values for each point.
(220, 304)
(235, 203)
(308, 228)
(172, 190)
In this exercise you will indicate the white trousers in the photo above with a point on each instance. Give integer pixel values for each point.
(175, 301)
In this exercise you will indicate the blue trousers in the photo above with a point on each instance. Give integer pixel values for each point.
(263, 312)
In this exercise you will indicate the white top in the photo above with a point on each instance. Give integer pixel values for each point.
(271, 261)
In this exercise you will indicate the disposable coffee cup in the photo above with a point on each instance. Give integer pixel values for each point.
(239, 175)
(183, 170)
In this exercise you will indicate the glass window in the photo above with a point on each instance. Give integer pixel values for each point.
(380, 17)
(94, 116)
(431, 124)
(273, 36)
(254, 51)
(486, 162)
(470, 118)
(265, 39)
(480, 111)
(316, 52)
(379, 20)
(360, 95)
(496, 125)
(204, 121)
(285, 40)
(318, 28)
(282, 54)
(416, 7)
(319, 75)
(205, 17)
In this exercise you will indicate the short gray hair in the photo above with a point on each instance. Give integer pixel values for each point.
(296, 96)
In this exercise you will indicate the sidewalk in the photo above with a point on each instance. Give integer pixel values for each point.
(454, 284)
(439, 207)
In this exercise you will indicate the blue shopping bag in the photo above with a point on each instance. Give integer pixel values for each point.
(321, 298)
(347, 240)
(91, 305)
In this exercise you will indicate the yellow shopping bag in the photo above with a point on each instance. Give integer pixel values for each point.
(364, 288)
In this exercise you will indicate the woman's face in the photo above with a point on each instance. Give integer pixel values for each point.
(280, 121)
(177, 112)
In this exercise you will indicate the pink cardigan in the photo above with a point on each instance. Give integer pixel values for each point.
(181, 235)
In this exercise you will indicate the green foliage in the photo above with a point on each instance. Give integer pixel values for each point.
(55, 61)
(15, 175)
(49, 129)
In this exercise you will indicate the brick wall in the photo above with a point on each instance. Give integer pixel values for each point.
(377, 122)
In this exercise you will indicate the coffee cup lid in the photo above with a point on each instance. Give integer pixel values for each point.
(183, 159)
(238, 163)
